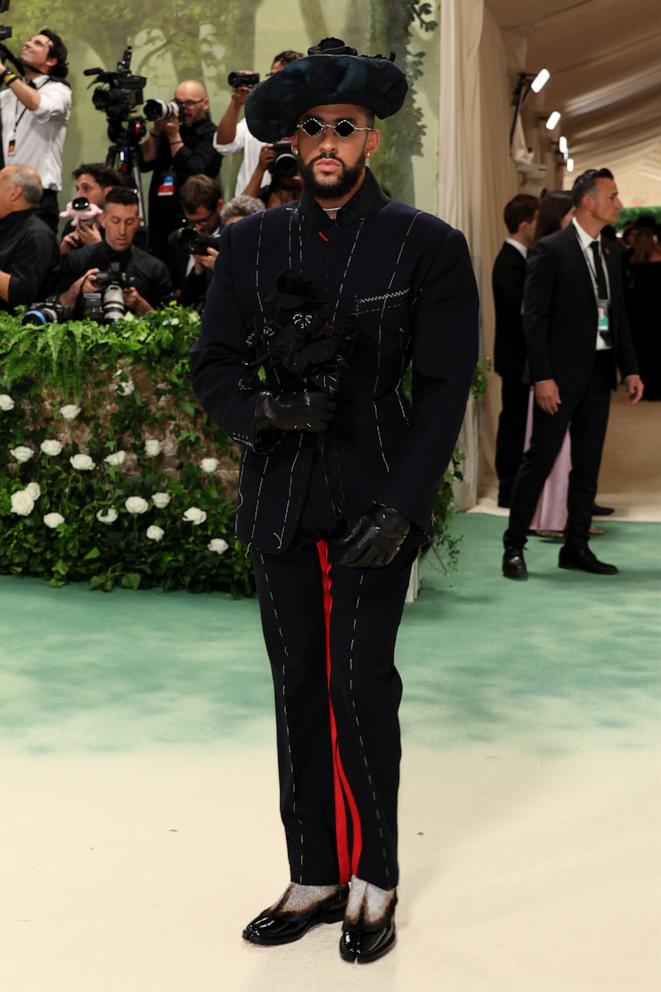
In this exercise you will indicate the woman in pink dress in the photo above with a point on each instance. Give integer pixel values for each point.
(555, 212)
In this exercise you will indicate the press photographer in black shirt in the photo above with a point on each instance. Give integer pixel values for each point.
(191, 270)
(177, 147)
(120, 220)
(28, 249)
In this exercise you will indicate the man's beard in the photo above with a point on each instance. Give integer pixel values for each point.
(346, 180)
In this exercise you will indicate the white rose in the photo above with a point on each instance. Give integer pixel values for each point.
(153, 447)
(70, 411)
(83, 463)
(51, 447)
(22, 454)
(53, 520)
(116, 458)
(6, 402)
(125, 387)
(195, 516)
(107, 516)
(218, 546)
(33, 490)
(161, 500)
(136, 504)
(22, 503)
(155, 533)
(209, 464)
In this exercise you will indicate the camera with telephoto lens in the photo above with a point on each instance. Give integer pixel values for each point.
(249, 79)
(5, 32)
(285, 164)
(195, 243)
(106, 302)
(48, 312)
(160, 110)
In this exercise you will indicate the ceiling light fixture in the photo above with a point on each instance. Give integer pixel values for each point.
(540, 80)
(553, 120)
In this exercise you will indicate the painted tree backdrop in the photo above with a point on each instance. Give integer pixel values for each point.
(179, 39)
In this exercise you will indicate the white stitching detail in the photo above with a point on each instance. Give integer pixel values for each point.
(284, 709)
(360, 738)
(291, 480)
(259, 493)
(380, 331)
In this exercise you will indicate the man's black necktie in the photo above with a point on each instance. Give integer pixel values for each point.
(602, 285)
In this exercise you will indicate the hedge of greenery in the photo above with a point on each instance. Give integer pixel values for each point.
(110, 472)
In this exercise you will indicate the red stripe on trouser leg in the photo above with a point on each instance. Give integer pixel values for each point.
(342, 789)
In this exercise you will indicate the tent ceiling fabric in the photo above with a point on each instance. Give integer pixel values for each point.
(603, 56)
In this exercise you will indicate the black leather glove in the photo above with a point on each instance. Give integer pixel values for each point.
(294, 412)
(375, 538)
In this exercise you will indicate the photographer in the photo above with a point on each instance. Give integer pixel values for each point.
(92, 181)
(28, 250)
(35, 113)
(285, 184)
(191, 270)
(120, 221)
(177, 147)
(233, 134)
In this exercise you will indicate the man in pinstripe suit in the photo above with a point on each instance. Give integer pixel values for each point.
(315, 313)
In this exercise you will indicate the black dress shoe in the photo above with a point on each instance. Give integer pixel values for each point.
(365, 942)
(275, 926)
(602, 511)
(514, 564)
(585, 560)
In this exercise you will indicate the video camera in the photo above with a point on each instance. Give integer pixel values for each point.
(195, 243)
(249, 79)
(117, 94)
(5, 32)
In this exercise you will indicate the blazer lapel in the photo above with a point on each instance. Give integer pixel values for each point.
(581, 264)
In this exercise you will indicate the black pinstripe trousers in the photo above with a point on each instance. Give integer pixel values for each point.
(330, 634)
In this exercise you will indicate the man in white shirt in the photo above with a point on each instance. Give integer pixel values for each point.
(233, 134)
(34, 112)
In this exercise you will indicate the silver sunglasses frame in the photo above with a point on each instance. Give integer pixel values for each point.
(325, 127)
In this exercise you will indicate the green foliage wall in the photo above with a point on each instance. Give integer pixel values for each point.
(109, 470)
(178, 39)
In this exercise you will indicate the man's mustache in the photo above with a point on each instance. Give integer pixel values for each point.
(331, 155)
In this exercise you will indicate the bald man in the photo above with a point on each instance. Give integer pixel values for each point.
(175, 150)
(28, 249)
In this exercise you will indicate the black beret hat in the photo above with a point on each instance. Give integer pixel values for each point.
(331, 72)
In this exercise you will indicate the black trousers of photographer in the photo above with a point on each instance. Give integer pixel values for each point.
(330, 633)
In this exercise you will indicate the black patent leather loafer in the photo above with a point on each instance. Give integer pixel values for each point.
(274, 926)
(514, 564)
(363, 942)
(584, 560)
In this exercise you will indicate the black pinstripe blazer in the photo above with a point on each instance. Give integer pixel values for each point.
(405, 279)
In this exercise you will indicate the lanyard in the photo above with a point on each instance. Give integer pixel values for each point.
(587, 252)
(19, 117)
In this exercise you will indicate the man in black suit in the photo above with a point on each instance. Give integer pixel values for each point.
(201, 201)
(578, 336)
(315, 311)
(508, 278)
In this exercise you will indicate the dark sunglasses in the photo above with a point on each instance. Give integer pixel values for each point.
(342, 129)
